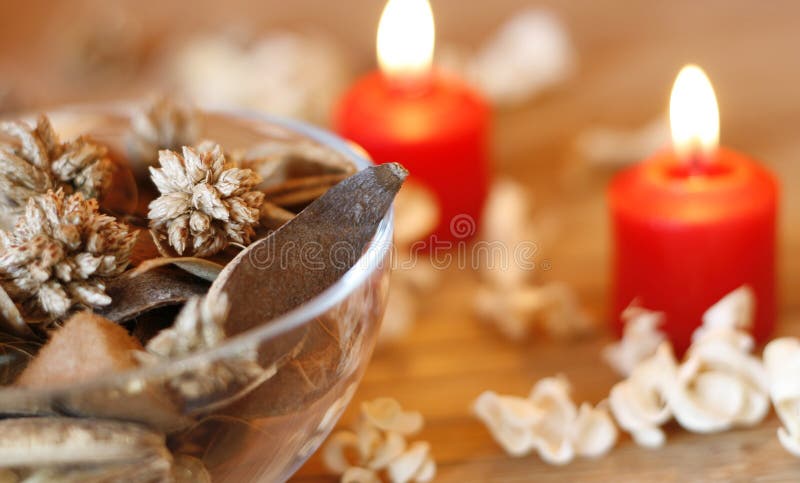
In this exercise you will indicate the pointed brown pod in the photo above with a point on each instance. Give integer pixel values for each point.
(310, 253)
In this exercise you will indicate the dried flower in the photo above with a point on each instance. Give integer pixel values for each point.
(39, 162)
(718, 386)
(60, 254)
(164, 124)
(548, 422)
(640, 339)
(205, 203)
(529, 54)
(782, 361)
(639, 403)
(552, 308)
(200, 326)
(378, 442)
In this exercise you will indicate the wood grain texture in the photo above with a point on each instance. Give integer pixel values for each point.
(629, 54)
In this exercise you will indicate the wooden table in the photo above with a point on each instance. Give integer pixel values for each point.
(629, 53)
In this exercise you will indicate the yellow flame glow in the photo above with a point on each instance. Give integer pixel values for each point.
(406, 37)
(693, 113)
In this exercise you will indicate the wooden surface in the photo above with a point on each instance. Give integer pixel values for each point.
(629, 54)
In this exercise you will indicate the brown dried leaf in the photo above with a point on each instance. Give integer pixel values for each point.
(263, 285)
(199, 267)
(133, 296)
(296, 193)
(273, 216)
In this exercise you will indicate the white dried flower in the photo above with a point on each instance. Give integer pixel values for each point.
(782, 362)
(640, 339)
(552, 308)
(639, 403)
(509, 298)
(206, 203)
(298, 75)
(39, 162)
(530, 53)
(60, 254)
(547, 421)
(377, 441)
(720, 384)
(386, 414)
(200, 326)
(164, 124)
(613, 147)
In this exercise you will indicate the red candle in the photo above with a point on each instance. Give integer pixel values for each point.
(431, 122)
(693, 223)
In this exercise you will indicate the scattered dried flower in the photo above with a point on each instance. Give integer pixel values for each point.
(640, 339)
(206, 203)
(290, 74)
(39, 162)
(639, 403)
(719, 385)
(613, 147)
(509, 298)
(548, 422)
(782, 362)
(200, 326)
(60, 255)
(386, 414)
(378, 443)
(552, 308)
(530, 53)
(164, 124)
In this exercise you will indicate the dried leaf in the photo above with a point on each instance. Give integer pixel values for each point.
(10, 316)
(200, 267)
(273, 216)
(51, 441)
(160, 287)
(296, 193)
(263, 284)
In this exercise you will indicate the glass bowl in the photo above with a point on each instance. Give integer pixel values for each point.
(313, 357)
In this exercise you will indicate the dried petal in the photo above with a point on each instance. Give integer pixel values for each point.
(163, 124)
(640, 339)
(193, 214)
(387, 414)
(411, 463)
(59, 254)
(510, 421)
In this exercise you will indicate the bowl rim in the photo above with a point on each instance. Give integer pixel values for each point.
(370, 261)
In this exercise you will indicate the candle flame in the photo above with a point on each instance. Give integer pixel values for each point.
(406, 38)
(693, 114)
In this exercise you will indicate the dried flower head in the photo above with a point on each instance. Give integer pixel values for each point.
(60, 253)
(164, 124)
(376, 446)
(38, 162)
(547, 421)
(200, 326)
(782, 361)
(719, 385)
(205, 201)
